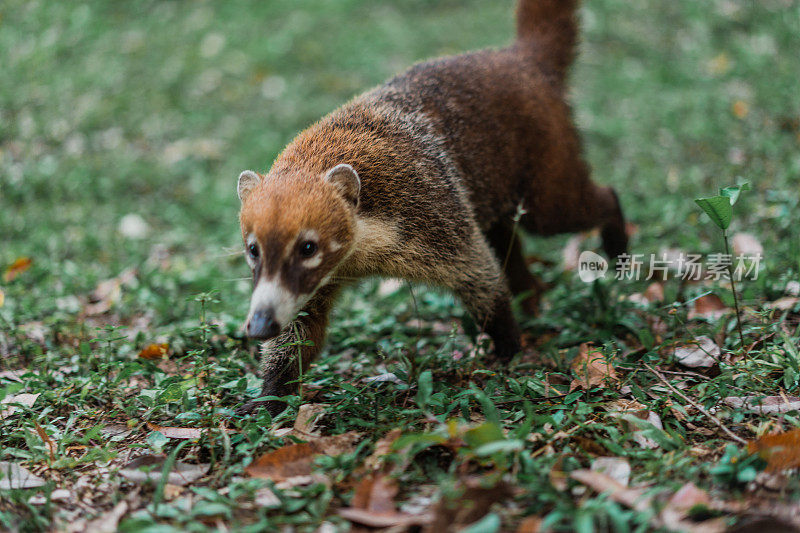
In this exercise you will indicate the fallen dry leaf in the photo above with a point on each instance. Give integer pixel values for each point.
(700, 353)
(264, 497)
(51, 445)
(154, 351)
(675, 514)
(24, 400)
(602, 483)
(13, 375)
(786, 303)
(149, 467)
(746, 244)
(373, 503)
(453, 514)
(616, 468)
(370, 519)
(708, 306)
(176, 432)
(764, 405)
(307, 417)
(654, 292)
(107, 292)
(639, 436)
(382, 448)
(296, 460)
(531, 524)
(2, 298)
(14, 476)
(557, 476)
(572, 251)
(108, 522)
(781, 451)
(591, 368)
(20, 265)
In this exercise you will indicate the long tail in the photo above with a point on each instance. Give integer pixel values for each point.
(550, 27)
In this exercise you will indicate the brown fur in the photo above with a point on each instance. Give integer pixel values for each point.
(446, 153)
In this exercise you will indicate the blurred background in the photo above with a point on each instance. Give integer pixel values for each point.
(123, 126)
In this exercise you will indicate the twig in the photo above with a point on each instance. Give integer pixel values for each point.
(696, 405)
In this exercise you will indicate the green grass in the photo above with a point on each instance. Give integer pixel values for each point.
(152, 108)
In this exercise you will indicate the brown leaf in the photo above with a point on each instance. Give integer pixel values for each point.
(781, 451)
(531, 524)
(378, 520)
(154, 351)
(307, 416)
(591, 368)
(375, 493)
(298, 459)
(454, 513)
(708, 306)
(675, 514)
(46, 439)
(20, 265)
(557, 476)
(382, 448)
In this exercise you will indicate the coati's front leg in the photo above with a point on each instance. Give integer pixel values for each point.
(298, 344)
(507, 247)
(481, 286)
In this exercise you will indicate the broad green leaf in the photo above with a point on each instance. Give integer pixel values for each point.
(425, 388)
(718, 208)
(734, 191)
(499, 446)
(483, 434)
(173, 393)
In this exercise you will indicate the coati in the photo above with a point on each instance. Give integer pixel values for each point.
(420, 178)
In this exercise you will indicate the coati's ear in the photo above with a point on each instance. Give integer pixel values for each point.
(247, 180)
(346, 179)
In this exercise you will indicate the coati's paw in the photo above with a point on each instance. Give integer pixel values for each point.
(272, 406)
(506, 349)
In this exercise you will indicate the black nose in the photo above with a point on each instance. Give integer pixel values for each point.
(262, 325)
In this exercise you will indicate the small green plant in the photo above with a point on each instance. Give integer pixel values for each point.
(737, 467)
(720, 210)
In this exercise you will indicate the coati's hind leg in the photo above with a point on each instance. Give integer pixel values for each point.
(479, 283)
(615, 238)
(580, 206)
(507, 247)
(303, 338)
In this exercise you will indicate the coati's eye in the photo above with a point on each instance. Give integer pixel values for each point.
(308, 248)
(253, 251)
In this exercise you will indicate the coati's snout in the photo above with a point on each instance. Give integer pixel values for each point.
(262, 325)
(296, 233)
